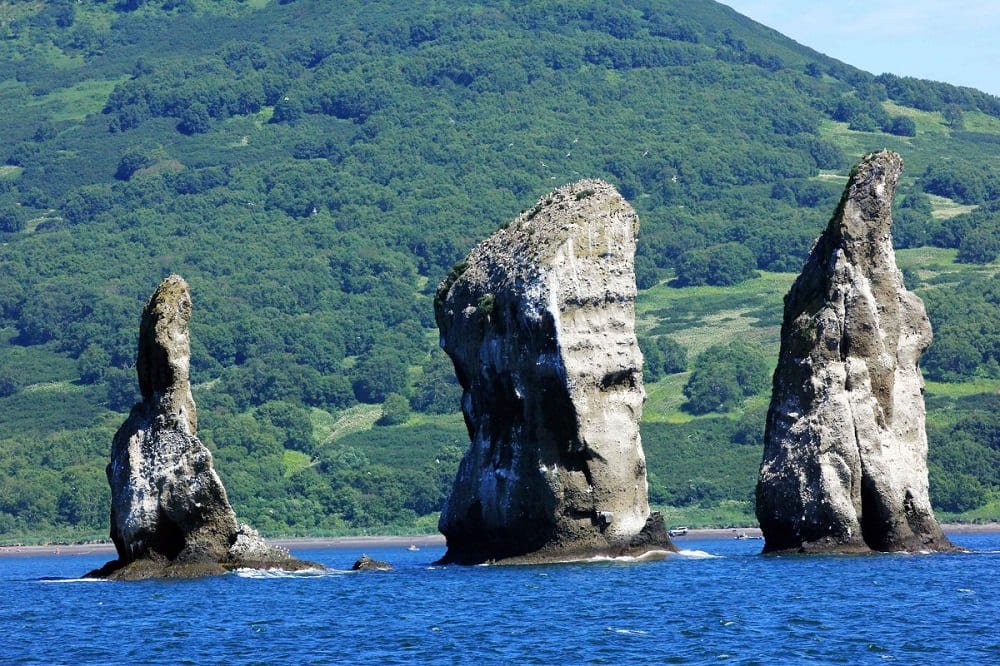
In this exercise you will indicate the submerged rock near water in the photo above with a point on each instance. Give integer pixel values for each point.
(170, 516)
(365, 563)
(845, 453)
(540, 323)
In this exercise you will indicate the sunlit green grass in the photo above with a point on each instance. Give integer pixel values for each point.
(75, 102)
(353, 419)
(927, 122)
(727, 513)
(962, 389)
(699, 317)
(943, 208)
(664, 400)
(323, 423)
(294, 461)
(987, 513)
(936, 267)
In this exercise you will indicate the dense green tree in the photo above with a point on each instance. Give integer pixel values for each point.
(953, 116)
(979, 246)
(902, 126)
(131, 162)
(674, 355)
(379, 373)
(718, 265)
(437, 390)
(913, 224)
(13, 219)
(965, 330)
(956, 492)
(662, 355)
(395, 410)
(652, 360)
(293, 421)
(723, 375)
(966, 183)
(93, 364)
(122, 391)
(84, 497)
(195, 119)
(647, 275)
(8, 385)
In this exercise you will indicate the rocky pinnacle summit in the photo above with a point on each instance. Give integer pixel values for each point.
(540, 323)
(845, 447)
(170, 516)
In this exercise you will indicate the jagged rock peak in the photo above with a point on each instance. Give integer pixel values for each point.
(539, 321)
(845, 447)
(164, 357)
(170, 515)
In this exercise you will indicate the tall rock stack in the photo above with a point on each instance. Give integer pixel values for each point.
(170, 515)
(845, 452)
(540, 323)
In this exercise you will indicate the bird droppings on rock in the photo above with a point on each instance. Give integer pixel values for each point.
(170, 515)
(365, 563)
(845, 457)
(540, 323)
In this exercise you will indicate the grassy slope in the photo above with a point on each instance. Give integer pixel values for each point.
(702, 316)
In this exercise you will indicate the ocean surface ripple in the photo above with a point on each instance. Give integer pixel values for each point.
(721, 601)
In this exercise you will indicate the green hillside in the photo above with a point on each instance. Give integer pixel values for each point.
(314, 174)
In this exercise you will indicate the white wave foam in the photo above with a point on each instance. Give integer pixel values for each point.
(699, 555)
(72, 580)
(648, 556)
(629, 632)
(281, 573)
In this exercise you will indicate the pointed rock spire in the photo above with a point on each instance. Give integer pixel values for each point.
(845, 447)
(170, 515)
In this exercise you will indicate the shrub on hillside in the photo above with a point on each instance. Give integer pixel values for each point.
(724, 375)
(719, 265)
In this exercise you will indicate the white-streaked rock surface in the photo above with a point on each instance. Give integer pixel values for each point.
(540, 323)
(170, 515)
(845, 453)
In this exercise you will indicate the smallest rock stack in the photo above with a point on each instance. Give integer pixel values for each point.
(170, 516)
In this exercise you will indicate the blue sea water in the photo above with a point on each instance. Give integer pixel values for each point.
(719, 601)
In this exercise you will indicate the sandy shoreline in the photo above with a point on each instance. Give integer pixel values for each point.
(424, 540)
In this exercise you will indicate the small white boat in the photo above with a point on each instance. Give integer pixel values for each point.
(678, 531)
(413, 546)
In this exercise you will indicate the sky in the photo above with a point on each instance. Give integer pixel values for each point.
(956, 41)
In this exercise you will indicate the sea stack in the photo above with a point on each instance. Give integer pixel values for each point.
(170, 516)
(539, 321)
(845, 448)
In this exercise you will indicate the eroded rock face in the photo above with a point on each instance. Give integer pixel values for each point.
(170, 515)
(845, 453)
(540, 323)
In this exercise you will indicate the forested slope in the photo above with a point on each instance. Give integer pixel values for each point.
(313, 174)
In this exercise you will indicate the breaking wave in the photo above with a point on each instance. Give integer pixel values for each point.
(699, 555)
(281, 573)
